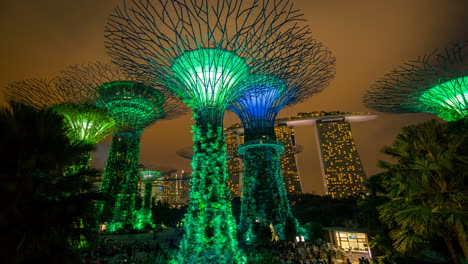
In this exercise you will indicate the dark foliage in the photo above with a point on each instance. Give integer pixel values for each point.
(168, 215)
(44, 215)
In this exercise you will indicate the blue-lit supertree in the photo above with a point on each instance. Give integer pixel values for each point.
(134, 105)
(264, 198)
(201, 50)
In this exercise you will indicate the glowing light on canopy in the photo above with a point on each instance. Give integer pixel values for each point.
(150, 175)
(133, 105)
(435, 83)
(205, 60)
(448, 99)
(257, 100)
(86, 123)
(209, 76)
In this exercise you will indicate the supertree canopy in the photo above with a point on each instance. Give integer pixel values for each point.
(86, 123)
(264, 201)
(201, 50)
(436, 83)
(254, 106)
(134, 106)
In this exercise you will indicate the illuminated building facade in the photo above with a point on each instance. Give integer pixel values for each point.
(292, 181)
(342, 170)
(341, 166)
(158, 190)
(234, 162)
(164, 186)
(176, 189)
(284, 134)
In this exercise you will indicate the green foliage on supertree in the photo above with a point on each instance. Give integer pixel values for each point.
(200, 50)
(308, 70)
(144, 217)
(120, 181)
(147, 195)
(147, 177)
(134, 105)
(210, 228)
(436, 83)
(264, 200)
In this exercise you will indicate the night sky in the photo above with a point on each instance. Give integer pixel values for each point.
(368, 38)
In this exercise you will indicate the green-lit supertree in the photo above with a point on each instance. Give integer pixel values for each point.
(134, 105)
(436, 83)
(264, 197)
(201, 50)
(86, 123)
(147, 179)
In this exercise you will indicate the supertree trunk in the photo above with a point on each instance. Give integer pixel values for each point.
(264, 199)
(147, 203)
(120, 180)
(210, 228)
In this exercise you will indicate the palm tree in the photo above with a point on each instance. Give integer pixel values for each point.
(427, 188)
(44, 215)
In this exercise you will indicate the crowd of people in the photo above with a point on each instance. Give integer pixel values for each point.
(112, 251)
(298, 253)
(158, 251)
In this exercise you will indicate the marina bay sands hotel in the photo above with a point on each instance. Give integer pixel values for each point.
(342, 171)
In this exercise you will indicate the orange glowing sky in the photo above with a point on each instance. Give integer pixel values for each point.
(368, 38)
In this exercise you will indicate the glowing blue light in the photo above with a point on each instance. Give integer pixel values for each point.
(260, 93)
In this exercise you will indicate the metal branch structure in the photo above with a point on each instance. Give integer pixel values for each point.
(86, 124)
(134, 105)
(201, 50)
(436, 83)
(264, 201)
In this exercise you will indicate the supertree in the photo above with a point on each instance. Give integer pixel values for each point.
(264, 200)
(134, 105)
(201, 50)
(86, 123)
(436, 83)
(147, 178)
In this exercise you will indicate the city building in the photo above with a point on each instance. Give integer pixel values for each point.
(342, 170)
(234, 162)
(349, 240)
(176, 188)
(166, 185)
(292, 180)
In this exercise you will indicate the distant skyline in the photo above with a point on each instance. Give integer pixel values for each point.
(368, 38)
